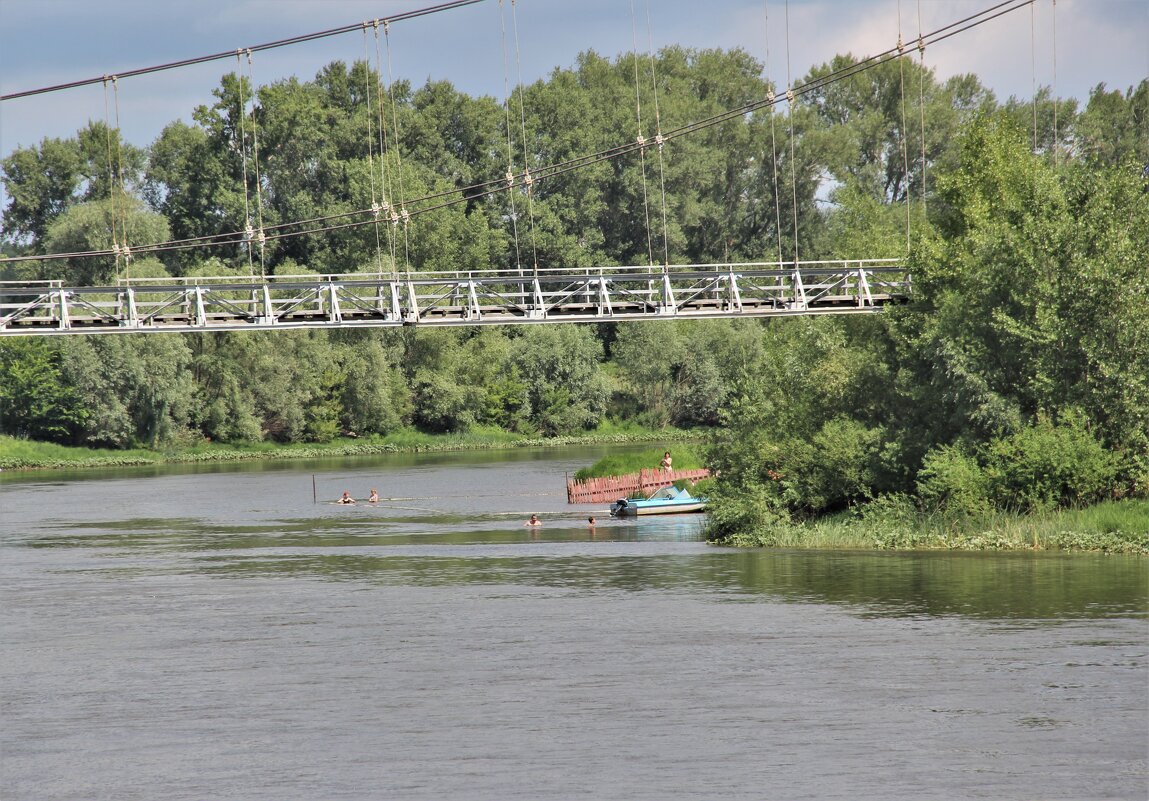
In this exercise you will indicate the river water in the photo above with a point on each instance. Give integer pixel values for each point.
(229, 633)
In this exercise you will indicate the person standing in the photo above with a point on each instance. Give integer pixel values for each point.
(666, 463)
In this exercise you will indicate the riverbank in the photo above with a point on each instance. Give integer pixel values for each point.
(1115, 527)
(21, 454)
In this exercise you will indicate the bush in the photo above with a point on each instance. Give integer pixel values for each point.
(750, 519)
(837, 468)
(951, 481)
(1050, 466)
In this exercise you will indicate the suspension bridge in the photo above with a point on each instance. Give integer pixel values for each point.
(445, 299)
(535, 295)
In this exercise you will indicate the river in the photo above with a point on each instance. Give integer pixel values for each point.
(227, 632)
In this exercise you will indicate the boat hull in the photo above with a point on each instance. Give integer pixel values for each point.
(641, 508)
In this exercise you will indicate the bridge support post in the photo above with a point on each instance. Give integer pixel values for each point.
(61, 299)
(268, 316)
(129, 318)
(200, 311)
(412, 315)
(538, 310)
(864, 296)
(604, 307)
(668, 305)
(334, 313)
(798, 301)
(735, 292)
(473, 312)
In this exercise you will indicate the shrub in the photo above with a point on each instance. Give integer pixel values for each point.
(1048, 466)
(951, 481)
(837, 468)
(751, 518)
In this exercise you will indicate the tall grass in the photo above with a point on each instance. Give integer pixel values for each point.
(685, 457)
(1110, 527)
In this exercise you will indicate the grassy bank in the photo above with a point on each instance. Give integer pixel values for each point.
(20, 454)
(686, 457)
(1112, 527)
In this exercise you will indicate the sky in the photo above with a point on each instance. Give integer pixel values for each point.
(48, 42)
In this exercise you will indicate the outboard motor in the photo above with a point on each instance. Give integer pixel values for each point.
(617, 507)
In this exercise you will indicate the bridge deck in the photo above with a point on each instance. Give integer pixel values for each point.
(440, 299)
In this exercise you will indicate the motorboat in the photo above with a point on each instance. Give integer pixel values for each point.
(664, 501)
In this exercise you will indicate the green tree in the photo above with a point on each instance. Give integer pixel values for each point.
(567, 391)
(1111, 129)
(96, 226)
(35, 401)
(45, 181)
(373, 394)
(40, 183)
(137, 390)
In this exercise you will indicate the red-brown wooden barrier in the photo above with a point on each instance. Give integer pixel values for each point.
(611, 488)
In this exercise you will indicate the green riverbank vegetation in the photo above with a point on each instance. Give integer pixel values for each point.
(23, 454)
(1012, 389)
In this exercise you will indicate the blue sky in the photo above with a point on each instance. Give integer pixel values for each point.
(47, 42)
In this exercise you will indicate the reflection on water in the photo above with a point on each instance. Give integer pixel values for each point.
(637, 555)
(229, 633)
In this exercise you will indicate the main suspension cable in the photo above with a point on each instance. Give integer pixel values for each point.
(487, 188)
(187, 62)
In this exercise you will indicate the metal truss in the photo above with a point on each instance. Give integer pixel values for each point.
(601, 294)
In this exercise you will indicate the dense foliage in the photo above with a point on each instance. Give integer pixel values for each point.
(1016, 379)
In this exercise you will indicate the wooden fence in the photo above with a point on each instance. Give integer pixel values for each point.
(611, 488)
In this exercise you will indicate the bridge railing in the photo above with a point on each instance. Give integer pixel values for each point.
(462, 298)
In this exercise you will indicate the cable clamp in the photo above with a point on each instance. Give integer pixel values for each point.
(528, 179)
(659, 139)
(127, 252)
(641, 141)
(406, 216)
(921, 45)
(248, 233)
(901, 45)
(375, 209)
(770, 96)
(394, 218)
(510, 178)
(789, 94)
